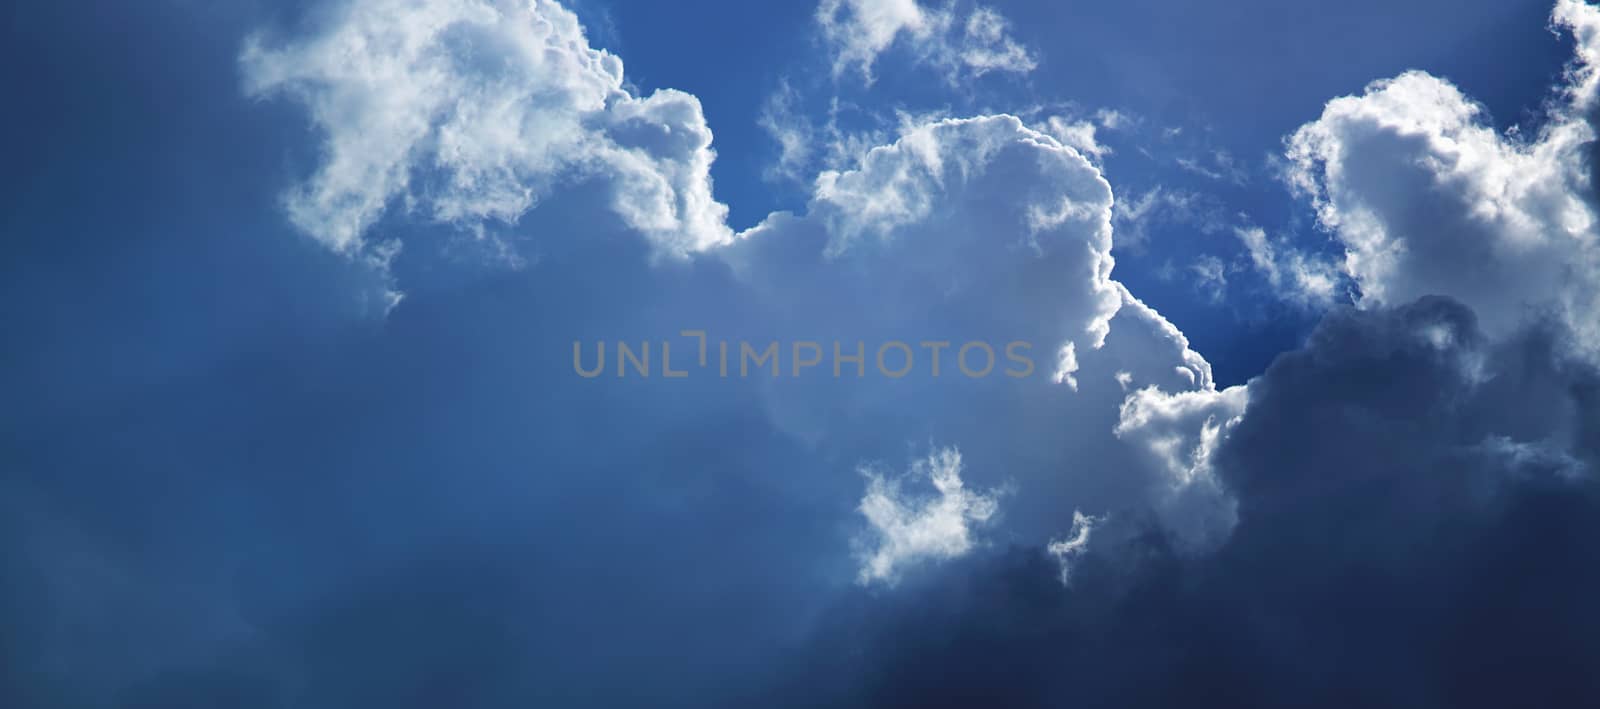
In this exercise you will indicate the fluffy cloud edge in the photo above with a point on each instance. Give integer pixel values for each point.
(408, 115)
(906, 529)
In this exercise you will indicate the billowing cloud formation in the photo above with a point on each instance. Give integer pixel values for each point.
(971, 46)
(470, 111)
(908, 528)
(465, 520)
(1428, 198)
(1179, 433)
(986, 229)
(1398, 513)
(917, 231)
(1415, 510)
(982, 226)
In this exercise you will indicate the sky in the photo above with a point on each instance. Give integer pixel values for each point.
(414, 353)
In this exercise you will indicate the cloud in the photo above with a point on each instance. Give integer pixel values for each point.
(909, 529)
(906, 182)
(962, 229)
(1179, 434)
(1137, 213)
(1112, 119)
(1074, 545)
(980, 226)
(1426, 200)
(1220, 167)
(1411, 508)
(859, 31)
(918, 234)
(1427, 197)
(469, 112)
(1405, 455)
(796, 136)
(1381, 515)
(1293, 274)
(987, 45)
(1079, 134)
(700, 527)
(1210, 277)
(818, 124)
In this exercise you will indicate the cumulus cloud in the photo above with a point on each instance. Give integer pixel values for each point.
(470, 112)
(1427, 197)
(912, 231)
(936, 174)
(1179, 433)
(743, 490)
(908, 528)
(859, 31)
(1405, 419)
(915, 234)
(1399, 513)
(1405, 524)
(986, 228)
(903, 183)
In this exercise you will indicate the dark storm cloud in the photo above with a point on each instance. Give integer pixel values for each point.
(1417, 517)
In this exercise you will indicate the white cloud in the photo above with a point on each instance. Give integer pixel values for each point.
(978, 224)
(1294, 275)
(919, 213)
(1079, 134)
(907, 528)
(859, 31)
(1428, 198)
(1112, 119)
(1220, 166)
(805, 143)
(986, 45)
(1179, 433)
(1074, 545)
(971, 226)
(796, 136)
(1583, 77)
(1210, 277)
(1137, 213)
(921, 173)
(1156, 344)
(1067, 366)
(471, 111)
(959, 43)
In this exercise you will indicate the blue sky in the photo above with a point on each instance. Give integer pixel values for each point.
(292, 292)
